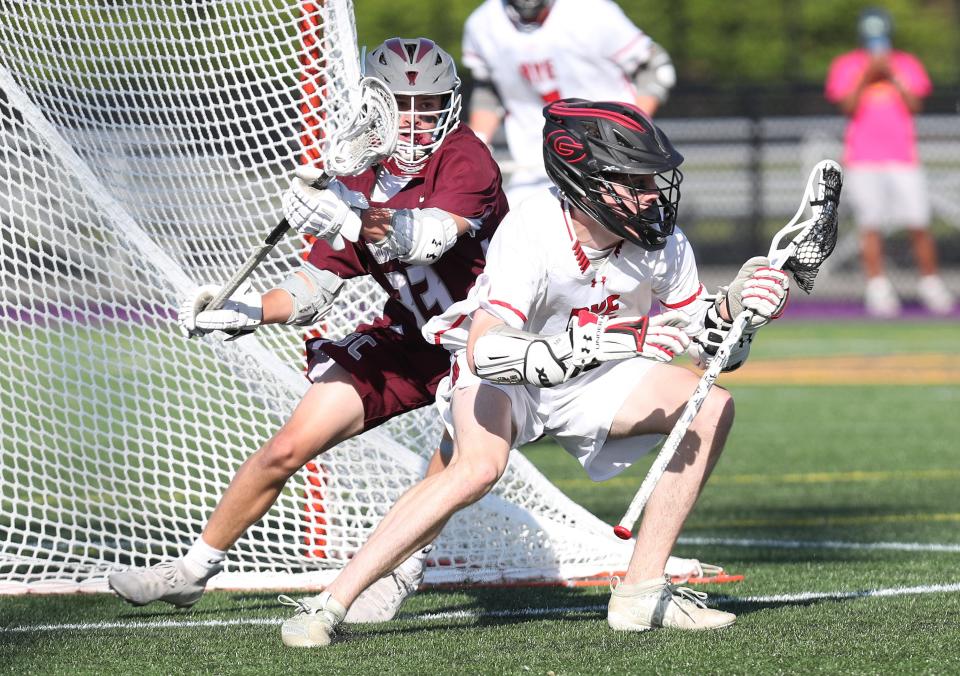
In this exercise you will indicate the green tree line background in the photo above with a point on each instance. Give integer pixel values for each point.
(755, 42)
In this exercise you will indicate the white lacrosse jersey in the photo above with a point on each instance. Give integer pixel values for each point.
(585, 49)
(538, 275)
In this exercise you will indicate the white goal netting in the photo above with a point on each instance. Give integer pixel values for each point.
(144, 150)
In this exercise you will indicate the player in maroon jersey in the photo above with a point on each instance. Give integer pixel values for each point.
(404, 222)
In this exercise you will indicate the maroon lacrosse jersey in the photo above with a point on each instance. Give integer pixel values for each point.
(461, 178)
(393, 368)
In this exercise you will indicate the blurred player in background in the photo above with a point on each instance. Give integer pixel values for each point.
(419, 223)
(880, 89)
(554, 339)
(524, 54)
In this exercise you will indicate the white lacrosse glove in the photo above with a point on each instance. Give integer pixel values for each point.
(240, 314)
(760, 288)
(332, 213)
(598, 339)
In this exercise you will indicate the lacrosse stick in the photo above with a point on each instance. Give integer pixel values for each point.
(803, 257)
(367, 139)
(363, 127)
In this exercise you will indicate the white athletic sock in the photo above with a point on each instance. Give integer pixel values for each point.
(202, 559)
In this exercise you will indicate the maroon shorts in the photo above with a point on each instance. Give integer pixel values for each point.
(392, 372)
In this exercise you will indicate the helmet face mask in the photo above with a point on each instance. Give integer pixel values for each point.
(644, 205)
(615, 165)
(527, 14)
(425, 121)
(423, 79)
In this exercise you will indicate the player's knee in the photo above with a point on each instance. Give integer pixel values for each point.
(281, 455)
(475, 477)
(720, 408)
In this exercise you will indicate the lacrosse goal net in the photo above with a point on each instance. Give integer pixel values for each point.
(144, 150)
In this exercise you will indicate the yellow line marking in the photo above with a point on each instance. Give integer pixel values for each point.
(821, 521)
(894, 369)
(798, 478)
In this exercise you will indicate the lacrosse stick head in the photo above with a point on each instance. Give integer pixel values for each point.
(370, 137)
(817, 235)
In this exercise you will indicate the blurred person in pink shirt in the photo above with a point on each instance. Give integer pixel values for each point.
(881, 89)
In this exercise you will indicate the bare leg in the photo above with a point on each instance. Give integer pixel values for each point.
(482, 418)
(330, 411)
(439, 461)
(654, 407)
(312, 429)
(871, 253)
(924, 251)
(441, 456)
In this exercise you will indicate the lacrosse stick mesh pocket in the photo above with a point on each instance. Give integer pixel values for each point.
(818, 242)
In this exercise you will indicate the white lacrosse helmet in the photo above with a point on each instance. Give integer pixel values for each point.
(414, 68)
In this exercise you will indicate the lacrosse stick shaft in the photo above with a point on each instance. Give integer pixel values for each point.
(255, 258)
(778, 258)
(624, 529)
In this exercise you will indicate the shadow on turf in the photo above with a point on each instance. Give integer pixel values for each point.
(487, 607)
(164, 611)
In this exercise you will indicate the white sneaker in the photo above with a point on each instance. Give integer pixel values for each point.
(681, 570)
(657, 603)
(315, 622)
(934, 295)
(169, 582)
(382, 600)
(881, 298)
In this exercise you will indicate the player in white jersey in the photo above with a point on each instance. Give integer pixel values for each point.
(524, 54)
(559, 342)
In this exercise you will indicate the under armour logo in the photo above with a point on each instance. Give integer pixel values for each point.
(542, 377)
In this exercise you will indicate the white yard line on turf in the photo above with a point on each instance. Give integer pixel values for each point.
(471, 614)
(819, 544)
(155, 624)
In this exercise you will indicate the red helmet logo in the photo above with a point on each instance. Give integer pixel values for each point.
(566, 147)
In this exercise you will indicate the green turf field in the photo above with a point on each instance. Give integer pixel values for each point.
(837, 500)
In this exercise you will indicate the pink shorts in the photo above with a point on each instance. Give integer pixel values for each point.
(392, 372)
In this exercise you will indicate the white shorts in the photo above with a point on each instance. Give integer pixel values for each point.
(576, 414)
(886, 196)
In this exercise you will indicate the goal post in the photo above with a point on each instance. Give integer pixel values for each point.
(144, 148)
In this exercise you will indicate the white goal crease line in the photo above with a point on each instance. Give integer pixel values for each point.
(473, 614)
(819, 544)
